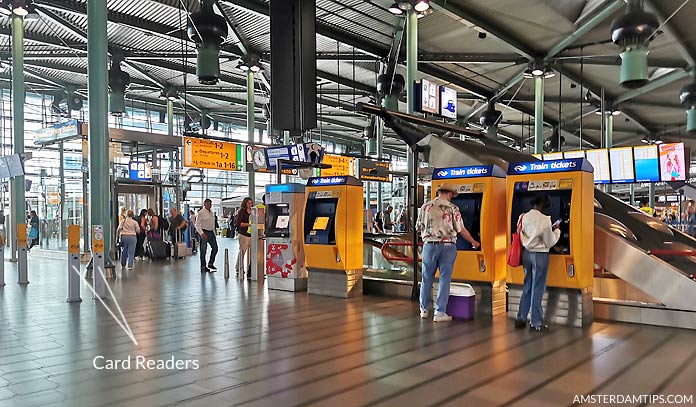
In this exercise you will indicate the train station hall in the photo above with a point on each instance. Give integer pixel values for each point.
(328, 203)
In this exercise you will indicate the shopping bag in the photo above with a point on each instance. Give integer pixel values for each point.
(515, 253)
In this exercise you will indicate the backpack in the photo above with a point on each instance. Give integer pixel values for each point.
(163, 223)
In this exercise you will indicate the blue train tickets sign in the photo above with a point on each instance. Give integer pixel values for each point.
(540, 167)
(475, 171)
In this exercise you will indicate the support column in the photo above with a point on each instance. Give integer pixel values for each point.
(18, 199)
(170, 117)
(411, 156)
(608, 136)
(651, 195)
(380, 151)
(538, 114)
(61, 207)
(250, 129)
(632, 190)
(99, 180)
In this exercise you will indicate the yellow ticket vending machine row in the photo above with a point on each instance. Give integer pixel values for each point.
(569, 185)
(333, 236)
(481, 201)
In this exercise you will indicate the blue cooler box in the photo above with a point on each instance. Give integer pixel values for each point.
(462, 301)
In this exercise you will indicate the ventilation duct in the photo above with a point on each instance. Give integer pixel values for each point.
(633, 32)
(208, 30)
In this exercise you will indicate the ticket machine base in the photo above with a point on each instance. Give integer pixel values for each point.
(490, 298)
(335, 283)
(287, 284)
(562, 306)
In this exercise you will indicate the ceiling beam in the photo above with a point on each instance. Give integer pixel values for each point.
(517, 78)
(684, 50)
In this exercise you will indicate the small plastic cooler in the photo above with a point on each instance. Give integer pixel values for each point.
(462, 301)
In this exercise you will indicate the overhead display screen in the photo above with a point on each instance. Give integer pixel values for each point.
(600, 161)
(621, 160)
(553, 156)
(448, 102)
(672, 163)
(574, 154)
(647, 163)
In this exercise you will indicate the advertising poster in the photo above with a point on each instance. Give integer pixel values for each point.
(672, 164)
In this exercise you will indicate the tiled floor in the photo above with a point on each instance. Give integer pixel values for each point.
(261, 348)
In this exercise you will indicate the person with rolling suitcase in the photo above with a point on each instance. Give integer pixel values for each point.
(177, 226)
(157, 249)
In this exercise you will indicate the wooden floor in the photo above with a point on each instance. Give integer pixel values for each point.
(266, 348)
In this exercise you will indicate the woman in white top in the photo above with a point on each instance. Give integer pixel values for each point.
(538, 235)
(128, 231)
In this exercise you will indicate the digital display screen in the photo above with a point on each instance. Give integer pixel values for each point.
(621, 160)
(274, 154)
(553, 156)
(448, 102)
(282, 221)
(672, 164)
(600, 162)
(647, 163)
(574, 154)
(320, 223)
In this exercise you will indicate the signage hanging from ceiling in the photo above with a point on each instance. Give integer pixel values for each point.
(372, 170)
(448, 102)
(340, 165)
(139, 171)
(213, 154)
(72, 129)
(673, 166)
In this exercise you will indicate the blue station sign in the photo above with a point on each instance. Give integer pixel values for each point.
(330, 181)
(540, 167)
(475, 171)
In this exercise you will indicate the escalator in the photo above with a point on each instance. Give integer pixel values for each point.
(651, 261)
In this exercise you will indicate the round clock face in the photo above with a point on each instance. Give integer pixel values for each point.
(259, 159)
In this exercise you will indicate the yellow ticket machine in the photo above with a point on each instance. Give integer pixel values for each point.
(285, 259)
(481, 201)
(333, 236)
(569, 185)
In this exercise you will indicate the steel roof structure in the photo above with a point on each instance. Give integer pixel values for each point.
(356, 38)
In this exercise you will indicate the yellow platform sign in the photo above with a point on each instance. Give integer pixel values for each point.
(74, 239)
(214, 154)
(340, 165)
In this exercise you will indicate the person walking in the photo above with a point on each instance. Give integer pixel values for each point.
(537, 236)
(193, 232)
(122, 216)
(439, 223)
(388, 224)
(140, 236)
(128, 231)
(33, 229)
(243, 227)
(205, 226)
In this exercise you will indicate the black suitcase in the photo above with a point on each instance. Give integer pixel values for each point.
(158, 250)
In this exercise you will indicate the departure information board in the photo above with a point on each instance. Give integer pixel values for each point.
(646, 163)
(621, 160)
(672, 163)
(600, 161)
(340, 165)
(574, 154)
(218, 155)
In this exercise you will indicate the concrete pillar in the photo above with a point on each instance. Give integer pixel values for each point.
(18, 199)
(250, 128)
(538, 114)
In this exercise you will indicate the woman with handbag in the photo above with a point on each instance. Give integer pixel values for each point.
(537, 235)
(127, 232)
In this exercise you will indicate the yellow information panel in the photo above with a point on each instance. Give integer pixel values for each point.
(340, 165)
(214, 154)
(98, 239)
(22, 235)
(74, 239)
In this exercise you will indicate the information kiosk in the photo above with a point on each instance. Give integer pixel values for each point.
(333, 236)
(569, 185)
(481, 201)
(285, 258)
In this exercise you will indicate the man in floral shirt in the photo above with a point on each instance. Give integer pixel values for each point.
(439, 222)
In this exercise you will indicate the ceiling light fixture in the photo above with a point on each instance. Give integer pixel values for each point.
(250, 63)
(170, 93)
(422, 5)
(395, 9)
(22, 8)
(405, 5)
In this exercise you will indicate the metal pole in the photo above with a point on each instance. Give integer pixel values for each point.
(633, 194)
(61, 207)
(651, 195)
(250, 129)
(380, 151)
(170, 117)
(608, 135)
(18, 199)
(538, 114)
(97, 61)
(411, 156)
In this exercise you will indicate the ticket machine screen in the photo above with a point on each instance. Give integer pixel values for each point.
(470, 208)
(319, 226)
(559, 210)
(277, 220)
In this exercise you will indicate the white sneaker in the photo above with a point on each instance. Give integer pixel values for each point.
(442, 318)
(424, 314)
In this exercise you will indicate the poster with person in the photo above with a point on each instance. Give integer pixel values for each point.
(672, 164)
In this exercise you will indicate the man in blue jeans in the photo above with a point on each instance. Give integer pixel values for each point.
(439, 222)
(205, 226)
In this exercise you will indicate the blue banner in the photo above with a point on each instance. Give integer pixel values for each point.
(540, 167)
(468, 172)
(327, 181)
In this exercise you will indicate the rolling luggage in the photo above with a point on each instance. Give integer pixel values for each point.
(158, 250)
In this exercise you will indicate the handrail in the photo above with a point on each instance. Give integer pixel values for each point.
(396, 258)
(668, 252)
